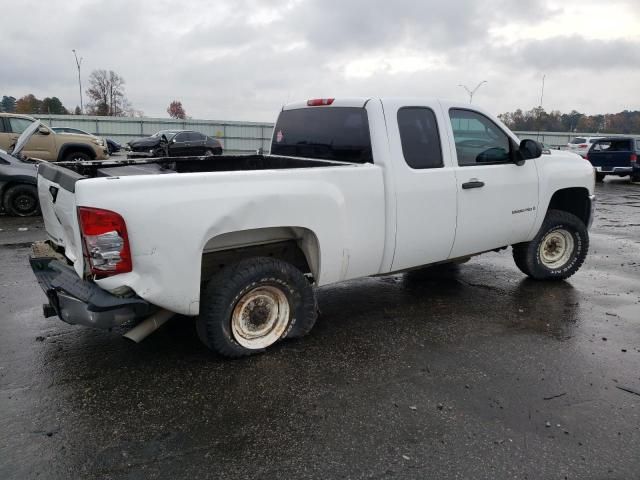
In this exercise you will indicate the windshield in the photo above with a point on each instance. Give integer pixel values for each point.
(331, 133)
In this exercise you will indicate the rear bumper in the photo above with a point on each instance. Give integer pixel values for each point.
(81, 302)
(615, 170)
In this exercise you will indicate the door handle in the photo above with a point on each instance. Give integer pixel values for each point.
(473, 183)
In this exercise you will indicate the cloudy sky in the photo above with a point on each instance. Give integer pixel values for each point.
(242, 59)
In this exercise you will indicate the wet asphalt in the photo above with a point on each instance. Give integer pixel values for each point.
(474, 372)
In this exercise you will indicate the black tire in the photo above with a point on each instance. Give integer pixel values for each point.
(21, 201)
(527, 255)
(208, 153)
(600, 176)
(222, 295)
(76, 157)
(635, 178)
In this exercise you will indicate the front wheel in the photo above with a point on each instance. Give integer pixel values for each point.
(22, 201)
(557, 251)
(250, 305)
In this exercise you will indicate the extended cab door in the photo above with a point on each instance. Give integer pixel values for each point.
(425, 182)
(497, 199)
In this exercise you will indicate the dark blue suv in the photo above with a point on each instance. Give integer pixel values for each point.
(615, 156)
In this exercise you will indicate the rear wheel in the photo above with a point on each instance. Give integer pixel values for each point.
(635, 177)
(599, 176)
(77, 157)
(208, 152)
(249, 306)
(557, 251)
(22, 201)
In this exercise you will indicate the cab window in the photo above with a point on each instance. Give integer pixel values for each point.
(419, 137)
(479, 141)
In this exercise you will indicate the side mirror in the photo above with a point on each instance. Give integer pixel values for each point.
(43, 131)
(528, 150)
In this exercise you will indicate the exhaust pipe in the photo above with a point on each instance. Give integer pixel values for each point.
(148, 326)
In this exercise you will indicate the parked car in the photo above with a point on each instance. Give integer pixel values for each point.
(18, 179)
(351, 188)
(46, 144)
(112, 146)
(581, 145)
(174, 143)
(615, 156)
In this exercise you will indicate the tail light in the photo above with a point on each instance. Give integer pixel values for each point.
(634, 158)
(583, 145)
(586, 156)
(319, 102)
(106, 243)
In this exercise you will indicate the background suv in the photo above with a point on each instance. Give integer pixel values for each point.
(45, 144)
(581, 145)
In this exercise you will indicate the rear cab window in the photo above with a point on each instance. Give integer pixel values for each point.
(578, 140)
(328, 133)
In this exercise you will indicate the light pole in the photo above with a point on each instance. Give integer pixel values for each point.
(472, 92)
(79, 63)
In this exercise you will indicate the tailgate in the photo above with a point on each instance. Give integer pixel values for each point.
(608, 160)
(56, 193)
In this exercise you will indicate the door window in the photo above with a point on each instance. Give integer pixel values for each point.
(419, 137)
(194, 137)
(19, 125)
(181, 137)
(478, 140)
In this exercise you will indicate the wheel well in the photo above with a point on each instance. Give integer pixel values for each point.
(295, 245)
(70, 148)
(574, 200)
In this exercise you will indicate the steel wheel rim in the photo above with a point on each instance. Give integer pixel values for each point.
(260, 317)
(24, 203)
(208, 153)
(556, 248)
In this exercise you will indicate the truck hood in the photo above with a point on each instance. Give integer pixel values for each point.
(24, 138)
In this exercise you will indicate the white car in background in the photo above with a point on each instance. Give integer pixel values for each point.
(581, 145)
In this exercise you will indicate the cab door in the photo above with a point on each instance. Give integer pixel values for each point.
(425, 182)
(497, 199)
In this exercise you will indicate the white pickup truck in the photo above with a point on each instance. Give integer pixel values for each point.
(351, 188)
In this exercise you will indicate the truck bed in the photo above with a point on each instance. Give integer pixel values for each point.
(164, 165)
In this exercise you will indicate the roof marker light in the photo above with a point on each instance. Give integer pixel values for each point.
(319, 102)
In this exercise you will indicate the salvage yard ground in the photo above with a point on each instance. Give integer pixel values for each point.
(474, 372)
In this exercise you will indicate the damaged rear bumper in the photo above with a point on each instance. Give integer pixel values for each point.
(81, 302)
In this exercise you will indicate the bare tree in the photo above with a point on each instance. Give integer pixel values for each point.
(106, 91)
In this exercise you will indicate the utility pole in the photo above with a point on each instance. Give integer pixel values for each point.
(542, 92)
(79, 63)
(472, 92)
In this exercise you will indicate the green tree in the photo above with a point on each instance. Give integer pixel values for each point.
(53, 105)
(8, 104)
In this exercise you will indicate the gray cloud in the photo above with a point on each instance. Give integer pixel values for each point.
(243, 59)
